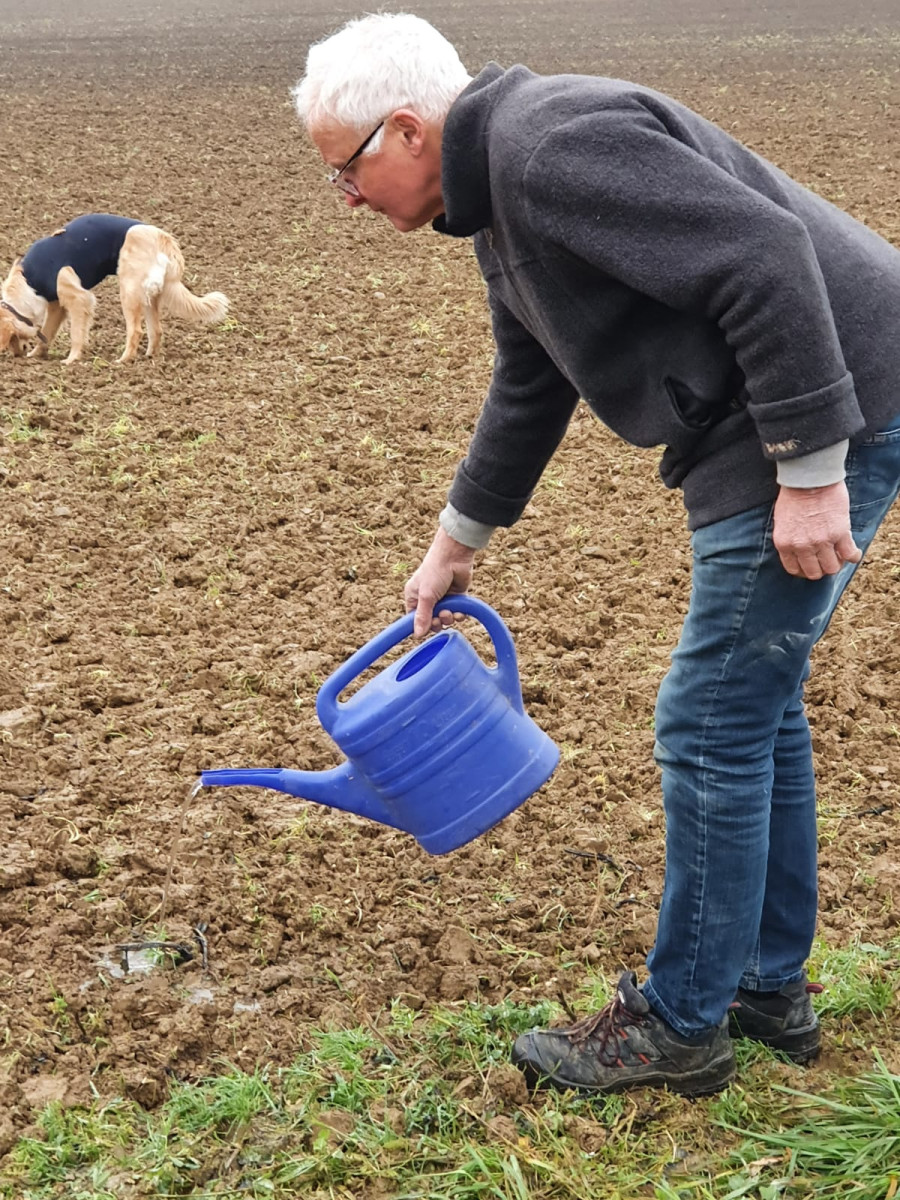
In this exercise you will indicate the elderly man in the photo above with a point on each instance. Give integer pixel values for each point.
(696, 298)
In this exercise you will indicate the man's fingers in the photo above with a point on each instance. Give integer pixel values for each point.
(429, 621)
(848, 549)
(422, 623)
(808, 564)
(447, 567)
(814, 562)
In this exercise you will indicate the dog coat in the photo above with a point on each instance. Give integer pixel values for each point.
(90, 245)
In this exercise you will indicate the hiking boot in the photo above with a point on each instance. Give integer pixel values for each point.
(625, 1045)
(784, 1020)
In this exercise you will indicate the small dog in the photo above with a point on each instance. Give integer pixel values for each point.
(54, 278)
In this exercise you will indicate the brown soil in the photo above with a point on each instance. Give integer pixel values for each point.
(190, 546)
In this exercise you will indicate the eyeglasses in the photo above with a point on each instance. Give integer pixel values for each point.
(344, 184)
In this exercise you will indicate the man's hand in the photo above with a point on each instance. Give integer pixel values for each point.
(447, 567)
(812, 530)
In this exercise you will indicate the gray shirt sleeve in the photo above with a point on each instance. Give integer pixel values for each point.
(819, 469)
(463, 529)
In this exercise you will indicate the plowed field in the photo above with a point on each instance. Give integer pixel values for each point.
(189, 546)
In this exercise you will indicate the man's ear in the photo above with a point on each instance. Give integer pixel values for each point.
(412, 127)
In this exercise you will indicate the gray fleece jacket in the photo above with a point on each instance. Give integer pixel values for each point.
(690, 292)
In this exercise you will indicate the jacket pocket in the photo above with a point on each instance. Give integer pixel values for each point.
(692, 411)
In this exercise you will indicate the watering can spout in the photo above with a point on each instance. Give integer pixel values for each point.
(341, 787)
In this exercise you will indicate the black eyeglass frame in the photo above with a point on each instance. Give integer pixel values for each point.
(335, 176)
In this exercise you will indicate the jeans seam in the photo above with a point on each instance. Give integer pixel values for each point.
(750, 579)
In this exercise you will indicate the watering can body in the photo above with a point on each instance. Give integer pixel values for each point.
(437, 744)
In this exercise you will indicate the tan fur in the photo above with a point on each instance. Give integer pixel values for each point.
(150, 272)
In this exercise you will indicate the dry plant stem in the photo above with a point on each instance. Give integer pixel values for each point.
(163, 904)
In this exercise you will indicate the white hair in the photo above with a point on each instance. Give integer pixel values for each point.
(374, 65)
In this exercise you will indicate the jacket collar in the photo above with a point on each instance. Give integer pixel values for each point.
(465, 165)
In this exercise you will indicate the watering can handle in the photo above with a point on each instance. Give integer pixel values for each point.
(507, 671)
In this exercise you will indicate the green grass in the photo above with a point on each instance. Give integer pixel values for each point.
(857, 978)
(15, 427)
(841, 1145)
(425, 1106)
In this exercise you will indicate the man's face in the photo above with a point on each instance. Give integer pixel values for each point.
(401, 179)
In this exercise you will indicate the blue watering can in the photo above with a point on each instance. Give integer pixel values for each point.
(437, 744)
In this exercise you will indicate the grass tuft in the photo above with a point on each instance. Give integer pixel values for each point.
(846, 1145)
(859, 978)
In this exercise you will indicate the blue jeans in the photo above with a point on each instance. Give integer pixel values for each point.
(733, 743)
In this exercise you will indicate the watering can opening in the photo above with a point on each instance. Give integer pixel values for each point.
(422, 657)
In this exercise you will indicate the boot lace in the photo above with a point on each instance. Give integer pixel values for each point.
(608, 1028)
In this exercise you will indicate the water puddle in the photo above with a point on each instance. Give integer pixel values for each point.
(140, 962)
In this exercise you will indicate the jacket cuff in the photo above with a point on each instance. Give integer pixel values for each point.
(462, 529)
(800, 425)
(470, 497)
(818, 469)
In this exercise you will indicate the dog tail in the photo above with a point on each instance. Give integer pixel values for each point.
(178, 300)
(199, 310)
